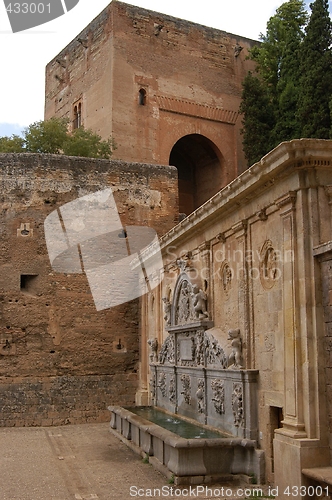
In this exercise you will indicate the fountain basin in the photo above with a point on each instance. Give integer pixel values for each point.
(188, 460)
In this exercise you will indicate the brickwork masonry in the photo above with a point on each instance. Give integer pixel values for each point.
(61, 360)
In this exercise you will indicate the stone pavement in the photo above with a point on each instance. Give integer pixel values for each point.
(80, 462)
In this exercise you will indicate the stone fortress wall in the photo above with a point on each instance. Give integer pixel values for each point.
(61, 360)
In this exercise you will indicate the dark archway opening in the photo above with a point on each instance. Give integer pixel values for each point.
(199, 170)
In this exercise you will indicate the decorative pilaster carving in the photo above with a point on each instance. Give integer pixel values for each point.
(200, 395)
(162, 384)
(153, 385)
(237, 404)
(172, 390)
(218, 399)
(186, 386)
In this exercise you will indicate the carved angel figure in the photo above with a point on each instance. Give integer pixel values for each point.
(199, 303)
(235, 357)
(167, 311)
(153, 343)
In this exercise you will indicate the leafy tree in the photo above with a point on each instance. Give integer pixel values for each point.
(316, 70)
(86, 143)
(258, 118)
(287, 124)
(278, 71)
(12, 144)
(285, 27)
(52, 136)
(46, 136)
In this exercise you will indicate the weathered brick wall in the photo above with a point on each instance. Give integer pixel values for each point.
(61, 359)
(58, 400)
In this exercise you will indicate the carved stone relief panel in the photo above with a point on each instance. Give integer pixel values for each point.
(153, 385)
(237, 404)
(218, 390)
(190, 348)
(199, 348)
(184, 312)
(172, 390)
(162, 384)
(214, 353)
(186, 388)
(200, 395)
(167, 351)
(189, 302)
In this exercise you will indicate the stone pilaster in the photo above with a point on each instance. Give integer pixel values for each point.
(293, 422)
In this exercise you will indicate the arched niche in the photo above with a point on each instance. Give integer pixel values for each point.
(182, 307)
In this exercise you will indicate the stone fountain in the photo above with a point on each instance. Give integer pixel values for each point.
(194, 376)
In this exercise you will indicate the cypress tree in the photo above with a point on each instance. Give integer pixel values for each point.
(315, 86)
(258, 118)
(277, 88)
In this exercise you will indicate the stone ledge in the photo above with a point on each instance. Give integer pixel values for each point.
(319, 474)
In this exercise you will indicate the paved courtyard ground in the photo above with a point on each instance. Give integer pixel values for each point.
(81, 462)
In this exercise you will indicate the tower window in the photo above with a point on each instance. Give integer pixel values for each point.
(77, 122)
(142, 97)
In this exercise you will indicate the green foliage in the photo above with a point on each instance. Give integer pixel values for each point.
(13, 144)
(316, 70)
(52, 136)
(285, 26)
(294, 66)
(86, 143)
(46, 136)
(258, 118)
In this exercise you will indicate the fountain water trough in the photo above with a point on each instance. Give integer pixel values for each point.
(194, 377)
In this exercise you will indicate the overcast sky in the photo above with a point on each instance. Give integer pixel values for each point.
(24, 55)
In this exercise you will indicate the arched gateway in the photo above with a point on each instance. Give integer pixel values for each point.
(199, 164)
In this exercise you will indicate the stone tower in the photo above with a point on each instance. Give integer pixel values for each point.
(167, 91)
